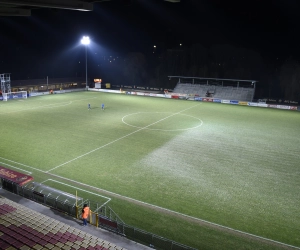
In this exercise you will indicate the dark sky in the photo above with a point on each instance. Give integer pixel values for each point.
(48, 41)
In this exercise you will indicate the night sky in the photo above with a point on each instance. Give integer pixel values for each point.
(48, 42)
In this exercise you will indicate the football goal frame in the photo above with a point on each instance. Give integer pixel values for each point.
(14, 95)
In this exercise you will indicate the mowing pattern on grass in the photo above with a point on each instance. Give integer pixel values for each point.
(230, 165)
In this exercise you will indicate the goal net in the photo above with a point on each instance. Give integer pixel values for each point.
(14, 95)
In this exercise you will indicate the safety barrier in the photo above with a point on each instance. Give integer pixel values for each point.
(104, 218)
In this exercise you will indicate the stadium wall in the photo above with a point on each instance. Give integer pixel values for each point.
(55, 92)
(202, 99)
(170, 96)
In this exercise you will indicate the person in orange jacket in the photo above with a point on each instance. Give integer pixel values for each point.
(85, 214)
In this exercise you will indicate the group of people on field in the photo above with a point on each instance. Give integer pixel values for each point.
(89, 106)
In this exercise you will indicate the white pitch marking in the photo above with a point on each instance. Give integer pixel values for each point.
(107, 144)
(171, 211)
(180, 129)
(21, 164)
(109, 199)
(183, 215)
(54, 105)
(38, 107)
(15, 167)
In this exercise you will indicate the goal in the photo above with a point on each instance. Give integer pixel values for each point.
(14, 95)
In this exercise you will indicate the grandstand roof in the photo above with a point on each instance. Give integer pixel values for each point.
(24, 7)
(216, 79)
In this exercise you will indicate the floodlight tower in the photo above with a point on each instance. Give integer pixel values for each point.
(85, 41)
(5, 83)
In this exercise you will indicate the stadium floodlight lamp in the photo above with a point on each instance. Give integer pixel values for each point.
(85, 41)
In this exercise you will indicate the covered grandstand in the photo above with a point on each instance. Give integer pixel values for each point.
(231, 89)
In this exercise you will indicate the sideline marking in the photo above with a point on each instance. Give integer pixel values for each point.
(107, 144)
(168, 210)
(21, 164)
(109, 199)
(180, 129)
(15, 167)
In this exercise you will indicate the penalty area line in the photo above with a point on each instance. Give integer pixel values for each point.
(178, 213)
(161, 208)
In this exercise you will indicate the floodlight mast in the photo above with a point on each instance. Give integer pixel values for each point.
(85, 41)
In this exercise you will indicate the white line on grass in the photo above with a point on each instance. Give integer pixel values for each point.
(183, 215)
(54, 105)
(107, 144)
(165, 209)
(180, 129)
(109, 199)
(21, 164)
(38, 107)
(79, 100)
(15, 167)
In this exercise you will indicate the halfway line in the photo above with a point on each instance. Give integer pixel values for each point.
(119, 139)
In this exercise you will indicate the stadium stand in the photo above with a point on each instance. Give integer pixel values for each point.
(23, 228)
(221, 92)
(25, 224)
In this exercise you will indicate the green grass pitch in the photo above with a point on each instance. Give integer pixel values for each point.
(188, 171)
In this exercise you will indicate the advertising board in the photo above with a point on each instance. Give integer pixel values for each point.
(38, 93)
(207, 99)
(254, 104)
(14, 176)
(226, 101)
(274, 106)
(197, 98)
(263, 105)
(283, 107)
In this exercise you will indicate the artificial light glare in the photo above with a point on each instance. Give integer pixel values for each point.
(85, 40)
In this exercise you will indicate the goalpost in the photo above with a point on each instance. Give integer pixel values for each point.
(14, 95)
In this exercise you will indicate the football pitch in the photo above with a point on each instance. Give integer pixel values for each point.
(210, 176)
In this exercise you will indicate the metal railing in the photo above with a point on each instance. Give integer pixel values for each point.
(103, 217)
